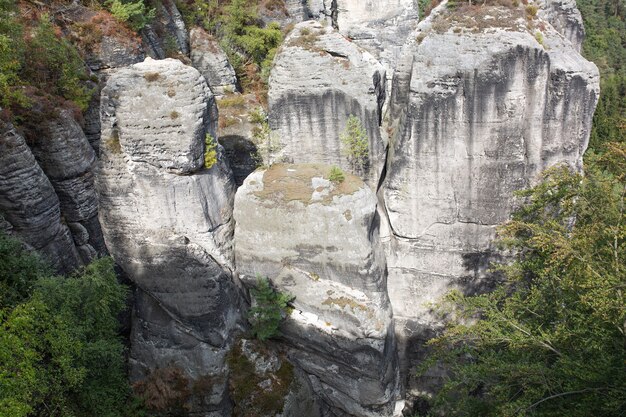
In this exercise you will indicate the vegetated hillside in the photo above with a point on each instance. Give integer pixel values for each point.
(605, 44)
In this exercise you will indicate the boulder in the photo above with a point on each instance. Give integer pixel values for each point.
(481, 105)
(167, 221)
(318, 241)
(318, 81)
(208, 57)
(29, 205)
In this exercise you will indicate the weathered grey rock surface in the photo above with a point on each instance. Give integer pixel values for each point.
(565, 18)
(301, 10)
(166, 35)
(29, 204)
(476, 117)
(208, 57)
(67, 159)
(318, 80)
(167, 221)
(380, 26)
(319, 242)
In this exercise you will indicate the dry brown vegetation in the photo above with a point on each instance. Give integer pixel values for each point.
(286, 183)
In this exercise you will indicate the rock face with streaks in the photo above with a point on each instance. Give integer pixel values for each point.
(318, 80)
(476, 116)
(29, 206)
(566, 19)
(208, 57)
(167, 221)
(318, 241)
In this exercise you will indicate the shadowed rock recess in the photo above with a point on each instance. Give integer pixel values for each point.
(460, 110)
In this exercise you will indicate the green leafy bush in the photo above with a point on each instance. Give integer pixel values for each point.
(605, 45)
(268, 310)
(549, 341)
(60, 353)
(11, 54)
(210, 151)
(355, 145)
(336, 175)
(19, 270)
(53, 65)
(134, 13)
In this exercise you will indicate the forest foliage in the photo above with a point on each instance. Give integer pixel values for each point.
(605, 45)
(249, 42)
(60, 349)
(551, 339)
(37, 61)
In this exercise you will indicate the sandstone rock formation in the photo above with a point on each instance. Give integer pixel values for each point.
(380, 26)
(318, 241)
(263, 382)
(318, 80)
(166, 35)
(565, 18)
(67, 159)
(29, 205)
(477, 115)
(208, 57)
(167, 221)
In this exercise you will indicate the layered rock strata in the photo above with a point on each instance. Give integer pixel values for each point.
(29, 206)
(478, 114)
(319, 79)
(319, 241)
(67, 159)
(167, 221)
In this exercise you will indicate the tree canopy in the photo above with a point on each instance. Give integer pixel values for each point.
(60, 350)
(551, 339)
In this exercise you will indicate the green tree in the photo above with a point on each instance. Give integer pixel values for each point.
(551, 339)
(605, 44)
(11, 54)
(19, 271)
(134, 13)
(355, 145)
(269, 308)
(60, 352)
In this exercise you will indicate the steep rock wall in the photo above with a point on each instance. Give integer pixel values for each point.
(167, 221)
(66, 157)
(319, 241)
(29, 204)
(476, 117)
(566, 19)
(318, 80)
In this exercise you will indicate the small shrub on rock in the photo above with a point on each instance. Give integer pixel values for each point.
(355, 144)
(210, 153)
(336, 175)
(268, 310)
